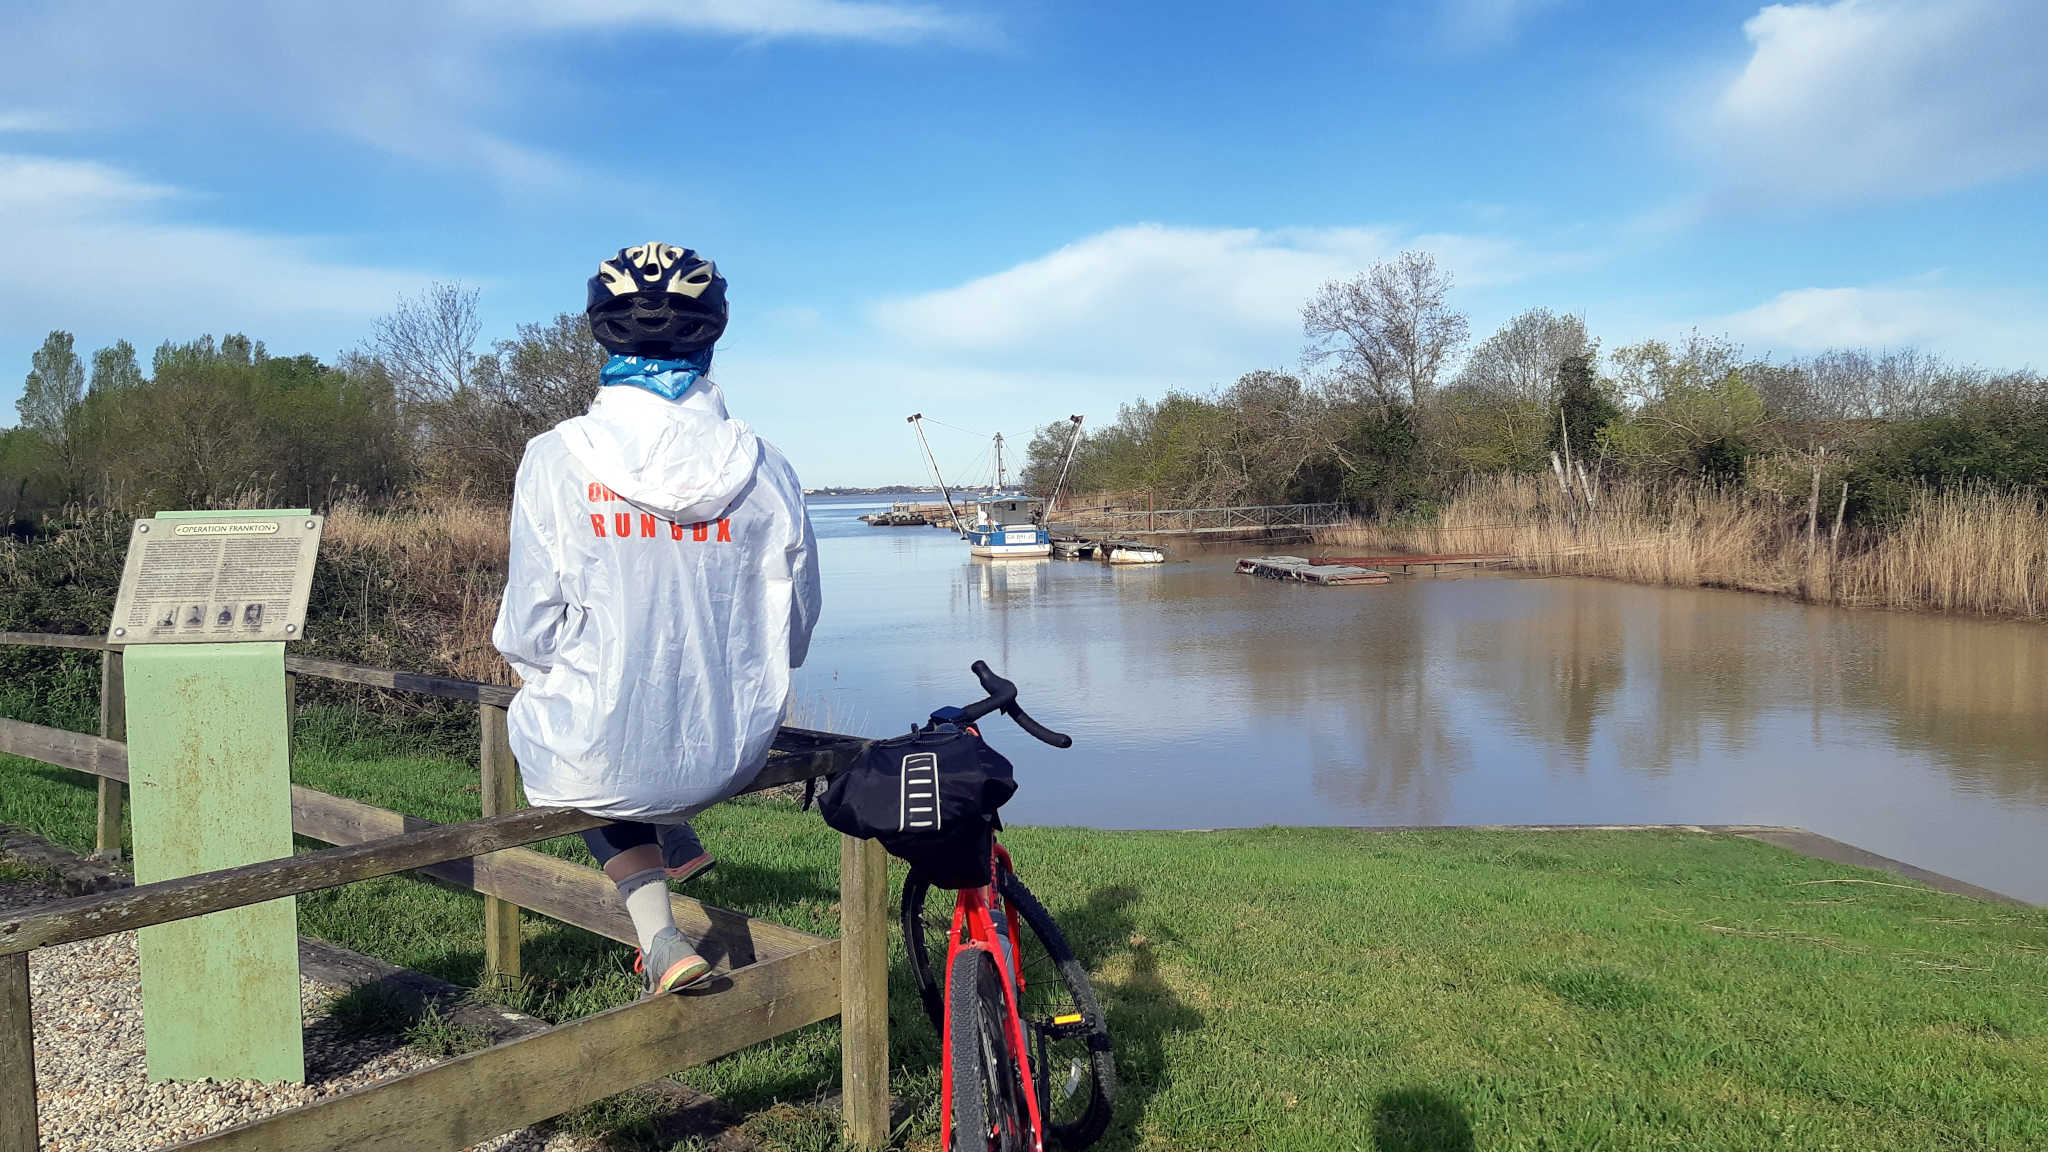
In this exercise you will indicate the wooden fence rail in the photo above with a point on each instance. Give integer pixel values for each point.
(1190, 521)
(770, 978)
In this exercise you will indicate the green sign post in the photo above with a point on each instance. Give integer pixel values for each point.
(207, 601)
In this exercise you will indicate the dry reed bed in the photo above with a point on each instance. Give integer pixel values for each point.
(453, 556)
(1974, 549)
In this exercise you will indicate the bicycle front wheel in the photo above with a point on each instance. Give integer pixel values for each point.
(1073, 1072)
(988, 1092)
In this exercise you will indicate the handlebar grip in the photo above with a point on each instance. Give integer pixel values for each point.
(1002, 691)
(1002, 696)
(1056, 739)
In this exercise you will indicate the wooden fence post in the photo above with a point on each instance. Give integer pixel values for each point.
(500, 795)
(113, 726)
(17, 1058)
(864, 990)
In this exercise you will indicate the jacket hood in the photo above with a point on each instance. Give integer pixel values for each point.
(683, 459)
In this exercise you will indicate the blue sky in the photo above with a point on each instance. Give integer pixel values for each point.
(999, 214)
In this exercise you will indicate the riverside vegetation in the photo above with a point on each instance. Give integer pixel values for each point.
(1969, 548)
(1894, 479)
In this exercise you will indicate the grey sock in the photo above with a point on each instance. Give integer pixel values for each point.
(639, 880)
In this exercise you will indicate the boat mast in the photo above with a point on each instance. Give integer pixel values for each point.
(915, 420)
(1072, 444)
(999, 462)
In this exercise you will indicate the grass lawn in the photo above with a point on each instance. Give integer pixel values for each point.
(1326, 989)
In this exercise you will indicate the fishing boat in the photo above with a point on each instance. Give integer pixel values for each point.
(1008, 526)
(1129, 552)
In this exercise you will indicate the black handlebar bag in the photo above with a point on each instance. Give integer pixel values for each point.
(929, 797)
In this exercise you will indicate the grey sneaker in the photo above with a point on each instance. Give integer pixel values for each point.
(671, 965)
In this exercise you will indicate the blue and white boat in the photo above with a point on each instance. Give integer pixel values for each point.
(1008, 526)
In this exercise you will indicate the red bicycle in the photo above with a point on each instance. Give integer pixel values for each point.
(1024, 1048)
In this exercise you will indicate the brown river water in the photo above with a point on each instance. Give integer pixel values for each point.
(1199, 698)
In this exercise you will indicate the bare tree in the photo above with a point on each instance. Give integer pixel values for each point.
(1520, 361)
(548, 372)
(428, 343)
(1388, 330)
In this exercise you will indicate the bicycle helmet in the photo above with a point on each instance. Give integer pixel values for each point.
(656, 300)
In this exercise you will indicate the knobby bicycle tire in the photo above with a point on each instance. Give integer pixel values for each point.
(988, 1105)
(1072, 1122)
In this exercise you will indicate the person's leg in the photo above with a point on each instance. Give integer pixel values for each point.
(632, 860)
(682, 853)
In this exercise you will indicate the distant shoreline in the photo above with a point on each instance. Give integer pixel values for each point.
(885, 490)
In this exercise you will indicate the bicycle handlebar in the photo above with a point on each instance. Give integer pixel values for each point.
(1002, 697)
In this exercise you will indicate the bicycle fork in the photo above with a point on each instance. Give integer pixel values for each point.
(981, 924)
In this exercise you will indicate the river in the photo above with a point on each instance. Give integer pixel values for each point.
(1198, 698)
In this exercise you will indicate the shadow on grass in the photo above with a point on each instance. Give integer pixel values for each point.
(733, 883)
(1419, 1120)
(1143, 1009)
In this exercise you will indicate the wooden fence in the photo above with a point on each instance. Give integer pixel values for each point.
(767, 979)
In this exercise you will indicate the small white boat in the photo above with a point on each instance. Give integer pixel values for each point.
(1070, 549)
(1129, 552)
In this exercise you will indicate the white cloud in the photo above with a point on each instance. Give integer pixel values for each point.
(45, 189)
(1151, 299)
(1883, 97)
(1976, 325)
(435, 81)
(1813, 319)
(22, 120)
(810, 19)
(1489, 22)
(90, 250)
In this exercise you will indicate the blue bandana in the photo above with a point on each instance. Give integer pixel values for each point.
(668, 379)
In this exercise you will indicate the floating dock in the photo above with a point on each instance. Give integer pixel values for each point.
(1309, 571)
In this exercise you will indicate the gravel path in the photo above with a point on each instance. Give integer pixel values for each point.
(92, 1089)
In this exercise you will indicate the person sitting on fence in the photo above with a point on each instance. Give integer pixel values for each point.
(662, 584)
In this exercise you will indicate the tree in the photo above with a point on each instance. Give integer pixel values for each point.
(1522, 359)
(1383, 474)
(1581, 409)
(548, 372)
(1645, 373)
(1388, 330)
(114, 370)
(55, 385)
(1851, 384)
(31, 478)
(1045, 455)
(428, 342)
(1693, 429)
(1480, 430)
(472, 438)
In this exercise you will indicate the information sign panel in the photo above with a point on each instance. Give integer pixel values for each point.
(216, 578)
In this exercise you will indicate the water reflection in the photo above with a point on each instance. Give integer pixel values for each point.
(1201, 698)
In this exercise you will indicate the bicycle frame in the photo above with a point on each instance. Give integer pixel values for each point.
(974, 910)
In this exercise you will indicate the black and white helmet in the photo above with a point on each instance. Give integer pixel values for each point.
(657, 300)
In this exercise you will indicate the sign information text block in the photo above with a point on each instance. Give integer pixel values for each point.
(216, 579)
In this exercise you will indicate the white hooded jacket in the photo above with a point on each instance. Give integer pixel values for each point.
(662, 585)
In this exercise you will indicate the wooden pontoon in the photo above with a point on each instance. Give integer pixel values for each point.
(1306, 571)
